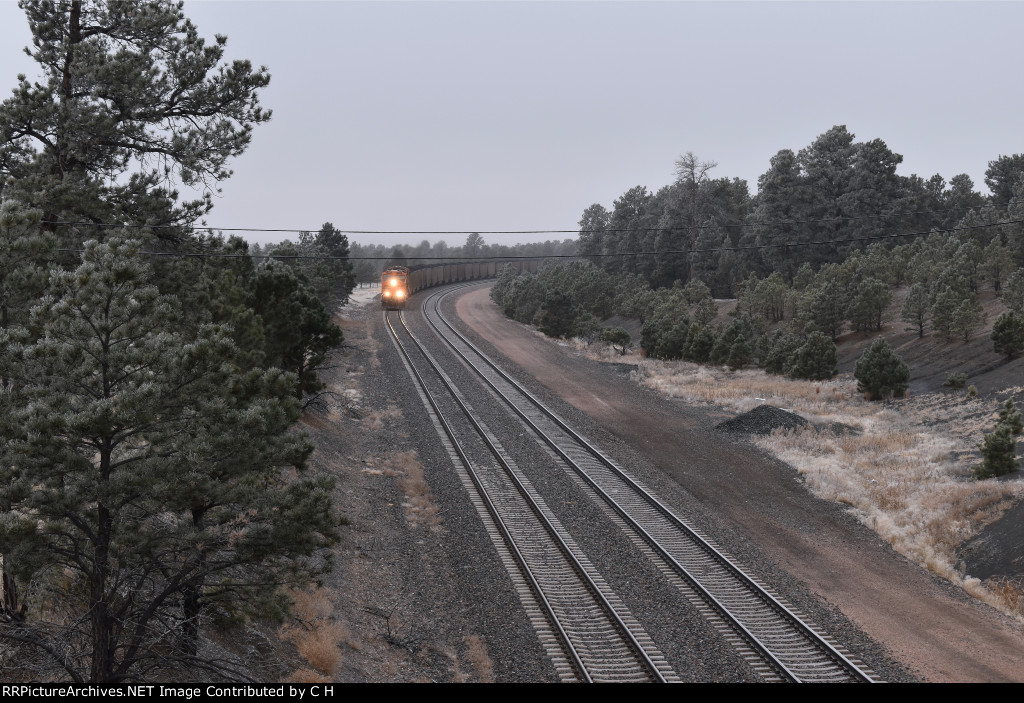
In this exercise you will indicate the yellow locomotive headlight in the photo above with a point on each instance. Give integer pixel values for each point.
(394, 282)
(399, 293)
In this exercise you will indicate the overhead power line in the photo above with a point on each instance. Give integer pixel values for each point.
(681, 228)
(745, 247)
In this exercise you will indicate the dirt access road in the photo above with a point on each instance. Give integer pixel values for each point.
(932, 628)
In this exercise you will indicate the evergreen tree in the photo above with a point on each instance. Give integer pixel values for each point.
(24, 250)
(1013, 293)
(998, 263)
(1011, 417)
(557, 315)
(593, 224)
(298, 332)
(1002, 175)
(215, 289)
(695, 291)
(880, 372)
(1008, 334)
(142, 478)
(635, 299)
(699, 343)
(705, 312)
(916, 310)
(967, 318)
(943, 313)
(815, 359)
(735, 344)
(869, 305)
(474, 246)
(998, 452)
(828, 306)
(129, 89)
(334, 245)
(771, 297)
(617, 337)
(780, 206)
(778, 357)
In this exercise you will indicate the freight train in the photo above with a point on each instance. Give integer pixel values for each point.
(394, 287)
(397, 283)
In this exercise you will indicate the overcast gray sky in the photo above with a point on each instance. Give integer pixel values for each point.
(510, 116)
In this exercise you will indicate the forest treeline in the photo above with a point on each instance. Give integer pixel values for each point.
(836, 191)
(153, 482)
(812, 255)
(368, 260)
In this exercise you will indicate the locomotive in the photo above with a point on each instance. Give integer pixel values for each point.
(394, 287)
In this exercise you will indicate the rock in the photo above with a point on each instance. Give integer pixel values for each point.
(762, 420)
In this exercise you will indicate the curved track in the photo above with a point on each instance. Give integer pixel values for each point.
(588, 632)
(776, 640)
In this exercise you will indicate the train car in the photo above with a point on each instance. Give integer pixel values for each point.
(394, 288)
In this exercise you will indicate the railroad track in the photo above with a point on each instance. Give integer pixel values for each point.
(586, 630)
(775, 639)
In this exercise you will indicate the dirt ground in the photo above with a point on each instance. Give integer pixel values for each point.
(931, 627)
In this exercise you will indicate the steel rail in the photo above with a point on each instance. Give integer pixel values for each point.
(575, 565)
(746, 582)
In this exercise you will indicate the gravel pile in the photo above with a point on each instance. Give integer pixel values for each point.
(762, 420)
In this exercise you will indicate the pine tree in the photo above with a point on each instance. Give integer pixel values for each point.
(617, 337)
(705, 311)
(943, 312)
(967, 318)
(815, 359)
(869, 305)
(699, 343)
(1008, 334)
(881, 373)
(298, 332)
(779, 354)
(828, 307)
(1013, 292)
(998, 452)
(557, 315)
(916, 310)
(129, 89)
(1011, 417)
(24, 249)
(142, 477)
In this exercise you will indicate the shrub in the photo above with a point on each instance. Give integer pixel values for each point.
(880, 372)
(617, 337)
(586, 327)
(972, 391)
(956, 381)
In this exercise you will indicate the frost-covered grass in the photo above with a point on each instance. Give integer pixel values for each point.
(904, 467)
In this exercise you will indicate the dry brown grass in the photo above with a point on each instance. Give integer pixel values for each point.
(316, 635)
(420, 508)
(476, 652)
(1010, 593)
(376, 419)
(305, 675)
(905, 470)
(449, 653)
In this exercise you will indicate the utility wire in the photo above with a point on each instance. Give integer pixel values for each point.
(682, 228)
(775, 245)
